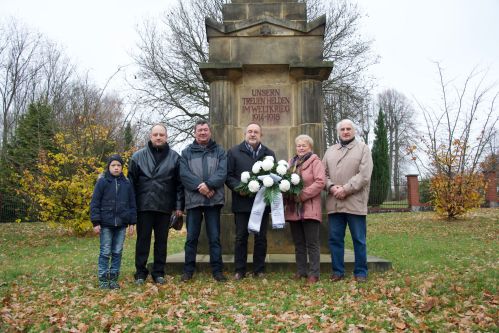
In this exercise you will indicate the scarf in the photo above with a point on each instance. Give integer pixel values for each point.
(345, 143)
(296, 164)
(254, 152)
(298, 161)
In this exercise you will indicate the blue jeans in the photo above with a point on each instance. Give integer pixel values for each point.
(212, 220)
(111, 249)
(358, 230)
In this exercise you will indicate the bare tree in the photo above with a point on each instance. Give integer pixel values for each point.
(19, 67)
(171, 84)
(401, 132)
(85, 111)
(468, 117)
(458, 136)
(54, 77)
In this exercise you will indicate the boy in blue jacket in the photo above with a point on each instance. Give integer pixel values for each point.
(112, 210)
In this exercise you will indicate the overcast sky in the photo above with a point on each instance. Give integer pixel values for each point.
(98, 35)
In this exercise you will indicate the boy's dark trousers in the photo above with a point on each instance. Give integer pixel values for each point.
(146, 223)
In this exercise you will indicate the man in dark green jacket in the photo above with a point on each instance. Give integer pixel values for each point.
(154, 174)
(203, 170)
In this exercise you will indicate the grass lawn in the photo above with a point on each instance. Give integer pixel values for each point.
(444, 279)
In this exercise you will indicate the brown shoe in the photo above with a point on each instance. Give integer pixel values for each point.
(298, 276)
(312, 279)
(239, 276)
(360, 279)
(336, 278)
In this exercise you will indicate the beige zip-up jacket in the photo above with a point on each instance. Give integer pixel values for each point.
(350, 167)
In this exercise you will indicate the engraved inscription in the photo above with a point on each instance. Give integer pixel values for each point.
(266, 105)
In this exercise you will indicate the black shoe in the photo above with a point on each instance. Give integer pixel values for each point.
(259, 275)
(159, 280)
(103, 283)
(239, 276)
(220, 277)
(113, 282)
(140, 281)
(360, 279)
(185, 277)
(298, 276)
(336, 278)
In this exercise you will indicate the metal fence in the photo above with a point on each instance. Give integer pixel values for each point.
(12, 209)
(395, 200)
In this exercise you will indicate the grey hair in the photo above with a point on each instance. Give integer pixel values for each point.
(201, 122)
(253, 123)
(344, 121)
(306, 138)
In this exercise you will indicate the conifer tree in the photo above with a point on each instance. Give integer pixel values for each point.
(35, 132)
(380, 178)
(128, 136)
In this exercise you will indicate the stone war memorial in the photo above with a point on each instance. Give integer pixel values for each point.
(266, 65)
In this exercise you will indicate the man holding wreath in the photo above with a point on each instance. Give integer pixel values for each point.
(241, 158)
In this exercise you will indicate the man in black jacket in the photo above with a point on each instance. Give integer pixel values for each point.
(241, 158)
(154, 174)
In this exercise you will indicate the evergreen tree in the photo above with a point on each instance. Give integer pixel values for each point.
(35, 132)
(128, 136)
(380, 178)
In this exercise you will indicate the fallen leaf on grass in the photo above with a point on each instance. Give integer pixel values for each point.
(429, 304)
(407, 281)
(180, 313)
(400, 325)
(353, 329)
(82, 327)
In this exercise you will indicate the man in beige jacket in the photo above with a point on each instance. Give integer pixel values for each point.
(348, 167)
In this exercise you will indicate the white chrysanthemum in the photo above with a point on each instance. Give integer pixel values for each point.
(268, 181)
(284, 185)
(245, 176)
(283, 162)
(281, 169)
(268, 157)
(267, 164)
(253, 186)
(295, 179)
(256, 167)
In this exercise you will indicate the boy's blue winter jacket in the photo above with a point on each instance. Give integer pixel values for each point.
(113, 202)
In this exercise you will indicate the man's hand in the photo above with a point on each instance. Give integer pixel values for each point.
(97, 229)
(179, 213)
(339, 192)
(203, 189)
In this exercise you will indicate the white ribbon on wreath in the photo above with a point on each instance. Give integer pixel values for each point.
(258, 209)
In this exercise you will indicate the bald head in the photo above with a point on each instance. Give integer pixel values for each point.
(158, 135)
(253, 134)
